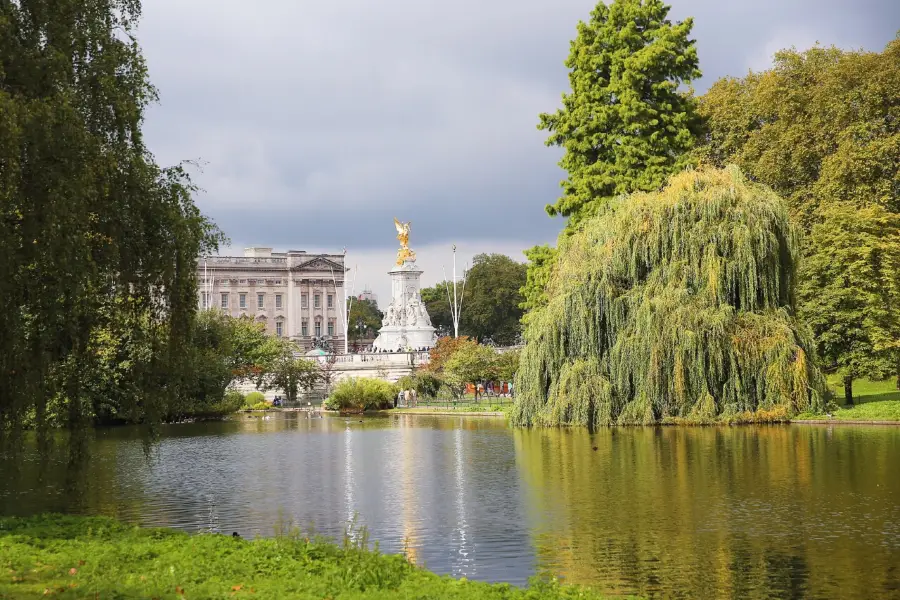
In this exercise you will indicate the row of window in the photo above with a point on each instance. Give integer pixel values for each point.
(242, 300)
(203, 280)
(317, 301)
(261, 299)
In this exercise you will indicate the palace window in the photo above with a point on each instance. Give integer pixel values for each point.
(243, 281)
(225, 300)
(279, 328)
(318, 328)
(330, 301)
(304, 330)
(205, 300)
(317, 301)
(242, 299)
(277, 300)
(331, 327)
(260, 300)
(303, 301)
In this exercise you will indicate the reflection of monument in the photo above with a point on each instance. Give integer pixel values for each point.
(406, 324)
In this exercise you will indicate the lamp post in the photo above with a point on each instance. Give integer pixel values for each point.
(455, 302)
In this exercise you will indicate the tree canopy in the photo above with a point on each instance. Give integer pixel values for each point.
(492, 307)
(365, 319)
(676, 304)
(491, 300)
(822, 128)
(95, 238)
(625, 125)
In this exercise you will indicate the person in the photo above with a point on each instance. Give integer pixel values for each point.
(510, 389)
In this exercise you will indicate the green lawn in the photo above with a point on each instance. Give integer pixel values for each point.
(873, 401)
(93, 557)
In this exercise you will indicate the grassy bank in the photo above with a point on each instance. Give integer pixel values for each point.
(92, 557)
(873, 401)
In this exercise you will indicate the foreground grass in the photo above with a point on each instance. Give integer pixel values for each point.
(93, 557)
(873, 401)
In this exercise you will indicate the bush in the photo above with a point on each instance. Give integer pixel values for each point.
(261, 406)
(362, 394)
(254, 398)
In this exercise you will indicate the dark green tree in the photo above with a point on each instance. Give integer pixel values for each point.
(625, 125)
(492, 305)
(437, 303)
(94, 236)
(288, 373)
(365, 320)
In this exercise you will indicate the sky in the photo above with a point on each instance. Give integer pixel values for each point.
(315, 123)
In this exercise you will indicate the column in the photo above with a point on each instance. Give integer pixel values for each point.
(289, 306)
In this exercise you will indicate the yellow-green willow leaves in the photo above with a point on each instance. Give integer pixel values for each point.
(672, 305)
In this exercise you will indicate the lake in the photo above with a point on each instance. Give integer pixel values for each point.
(794, 511)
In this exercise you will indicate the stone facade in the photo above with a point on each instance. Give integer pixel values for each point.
(296, 295)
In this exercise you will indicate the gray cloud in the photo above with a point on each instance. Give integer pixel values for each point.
(320, 121)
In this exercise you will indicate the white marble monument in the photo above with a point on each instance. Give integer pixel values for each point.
(406, 325)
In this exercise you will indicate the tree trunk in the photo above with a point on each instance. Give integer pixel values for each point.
(848, 391)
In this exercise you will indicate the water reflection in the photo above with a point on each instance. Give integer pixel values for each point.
(784, 512)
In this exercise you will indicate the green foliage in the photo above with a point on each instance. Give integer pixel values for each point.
(261, 406)
(288, 373)
(361, 394)
(538, 273)
(822, 128)
(444, 348)
(73, 555)
(625, 126)
(506, 364)
(470, 364)
(96, 239)
(672, 305)
(493, 298)
(254, 398)
(437, 303)
(364, 320)
(851, 289)
(823, 124)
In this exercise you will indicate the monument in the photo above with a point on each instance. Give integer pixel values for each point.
(406, 325)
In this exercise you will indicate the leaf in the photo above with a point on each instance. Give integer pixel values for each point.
(236, 588)
(72, 571)
(179, 590)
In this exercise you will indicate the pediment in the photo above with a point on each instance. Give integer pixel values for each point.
(319, 263)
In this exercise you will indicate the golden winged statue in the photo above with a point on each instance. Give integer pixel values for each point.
(404, 253)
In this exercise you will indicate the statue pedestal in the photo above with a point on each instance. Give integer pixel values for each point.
(406, 324)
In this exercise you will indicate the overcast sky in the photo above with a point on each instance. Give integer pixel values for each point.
(319, 121)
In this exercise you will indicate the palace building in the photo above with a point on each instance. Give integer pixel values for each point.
(296, 295)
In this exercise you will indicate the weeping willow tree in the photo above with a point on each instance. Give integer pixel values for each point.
(677, 304)
(98, 243)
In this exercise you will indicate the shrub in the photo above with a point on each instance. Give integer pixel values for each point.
(254, 398)
(362, 393)
(261, 406)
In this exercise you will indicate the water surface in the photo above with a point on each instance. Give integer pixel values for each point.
(736, 512)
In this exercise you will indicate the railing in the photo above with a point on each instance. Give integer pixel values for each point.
(245, 260)
(395, 358)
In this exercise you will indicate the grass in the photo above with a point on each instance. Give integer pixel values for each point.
(873, 401)
(56, 556)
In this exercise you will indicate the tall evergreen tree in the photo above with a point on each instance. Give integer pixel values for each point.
(625, 125)
(94, 235)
